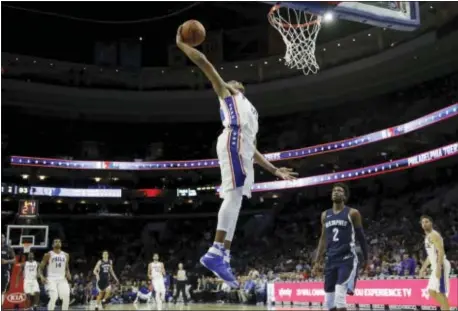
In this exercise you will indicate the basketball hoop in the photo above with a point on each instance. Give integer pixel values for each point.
(27, 247)
(299, 30)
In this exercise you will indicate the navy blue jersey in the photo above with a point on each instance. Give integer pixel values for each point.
(104, 272)
(6, 255)
(340, 235)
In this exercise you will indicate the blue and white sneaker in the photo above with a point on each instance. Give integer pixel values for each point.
(213, 260)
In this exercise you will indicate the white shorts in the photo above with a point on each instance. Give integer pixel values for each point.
(236, 162)
(31, 287)
(59, 287)
(158, 286)
(441, 285)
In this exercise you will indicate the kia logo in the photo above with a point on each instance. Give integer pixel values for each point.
(16, 297)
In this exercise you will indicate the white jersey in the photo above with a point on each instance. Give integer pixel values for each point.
(57, 265)
(432, 251)
(237, 143)
(30, 270)
(156, 271)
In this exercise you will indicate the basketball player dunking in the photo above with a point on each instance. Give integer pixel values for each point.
(340, 224)
(156, 273)
(30, 274)
(103, 270)
(57, 276)
(236, 150)
(8, 259)
(439, 280)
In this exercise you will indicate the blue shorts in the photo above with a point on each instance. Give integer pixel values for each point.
(342, 272)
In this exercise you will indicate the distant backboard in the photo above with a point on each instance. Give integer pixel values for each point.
(38, 235)
(399, 15)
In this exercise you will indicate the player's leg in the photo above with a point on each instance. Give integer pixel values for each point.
(330, 280)
(53, 295)
(63, 291)
(227, 218)
(346, 276)
(438, 288)
(36, 295)
(107, 295)
(98, 300)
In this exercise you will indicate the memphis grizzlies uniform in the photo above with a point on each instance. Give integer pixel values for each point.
(341, 263)
(237, 143)
(104, 275)
(30, 278)
(6, 273)
(438, 285)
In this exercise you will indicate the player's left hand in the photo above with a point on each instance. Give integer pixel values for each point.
(69, 276)
(285, 173)
(438, 273)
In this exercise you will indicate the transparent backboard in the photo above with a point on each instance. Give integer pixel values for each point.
(16, 235)
(399, 15)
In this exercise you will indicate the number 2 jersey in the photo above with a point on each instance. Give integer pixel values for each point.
(57, 266)
(340, 235)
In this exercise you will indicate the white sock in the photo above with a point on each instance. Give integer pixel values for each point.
(217, 248)
(227, 255)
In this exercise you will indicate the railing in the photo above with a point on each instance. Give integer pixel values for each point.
(391, 132)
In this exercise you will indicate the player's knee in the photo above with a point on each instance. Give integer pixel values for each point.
(341, 296)
(432, 293)
(329, 301)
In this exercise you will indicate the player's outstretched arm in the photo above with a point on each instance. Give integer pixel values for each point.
(283, 172)
(207, 68)
(42, 266)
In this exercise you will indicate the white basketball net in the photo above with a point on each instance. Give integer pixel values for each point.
(299, 31)
(27, 247)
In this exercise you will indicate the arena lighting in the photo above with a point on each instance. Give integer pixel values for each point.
(41, 177)
(59, 201)
(350, 143)
(328, 17)
(97, 179)
(25, 176)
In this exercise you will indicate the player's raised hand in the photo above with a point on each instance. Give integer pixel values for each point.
(286, 173)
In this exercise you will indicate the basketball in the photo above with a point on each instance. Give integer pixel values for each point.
(193, 32)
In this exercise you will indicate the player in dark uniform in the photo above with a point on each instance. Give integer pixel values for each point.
(103, 271)
(340, 225)
(8, 259)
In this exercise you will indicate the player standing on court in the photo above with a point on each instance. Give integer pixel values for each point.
(8, 259)
(340, 225)
(57, 276)
(439, 281)
(156, 273)
(236, 148)
(30, 274)
(102, 271)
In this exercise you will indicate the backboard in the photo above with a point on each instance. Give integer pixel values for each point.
(38, 235)
(399, 15)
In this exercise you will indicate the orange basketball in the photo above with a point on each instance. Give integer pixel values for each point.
(193, 32)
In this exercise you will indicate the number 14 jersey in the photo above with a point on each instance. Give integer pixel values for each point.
(57, 265)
